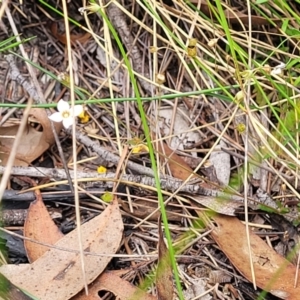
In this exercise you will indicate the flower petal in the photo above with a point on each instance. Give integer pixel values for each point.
(78, 109)
(276, 71)
(62, 105)
(56, 117)
(67, 122)
(281, 65)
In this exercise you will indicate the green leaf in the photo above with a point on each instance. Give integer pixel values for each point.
(284, 210)
(261, 1)
(293, 63)
(267, 209)
(11, 43)
(284, 25)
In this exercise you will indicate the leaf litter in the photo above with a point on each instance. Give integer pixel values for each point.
(39, 226)
(33, 142)
(227, 232)
(61, 270)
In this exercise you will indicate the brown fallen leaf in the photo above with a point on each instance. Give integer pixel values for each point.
(178, 166)
(164, 272)
(58, 274)
(33, 142)
(121, 288)
(82, 38)
(40, 227)
(272, 272)
(181, 170)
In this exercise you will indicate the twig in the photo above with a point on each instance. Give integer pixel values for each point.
(103, 180)
(167, 184)
(118, 19)
(107, 157)
(13, 195)
(21, 80)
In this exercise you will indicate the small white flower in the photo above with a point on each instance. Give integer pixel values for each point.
(278, 69)
(65, 113)
(281, 65)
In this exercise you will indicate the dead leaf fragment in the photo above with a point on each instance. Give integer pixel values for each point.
(33, 143)
(40, 227)
(179, 168)
(57, 274)
(82, 38)
(197, 287)
(121, 288)
(219, 276)
(221, 162)
(272, 272)
(179, 129)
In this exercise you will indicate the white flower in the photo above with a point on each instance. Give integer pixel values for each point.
(65, 113)
(278, 69)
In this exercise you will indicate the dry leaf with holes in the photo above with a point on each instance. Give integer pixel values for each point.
(33, 143)
(57, 274)
(272, 272)
(121, 288)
